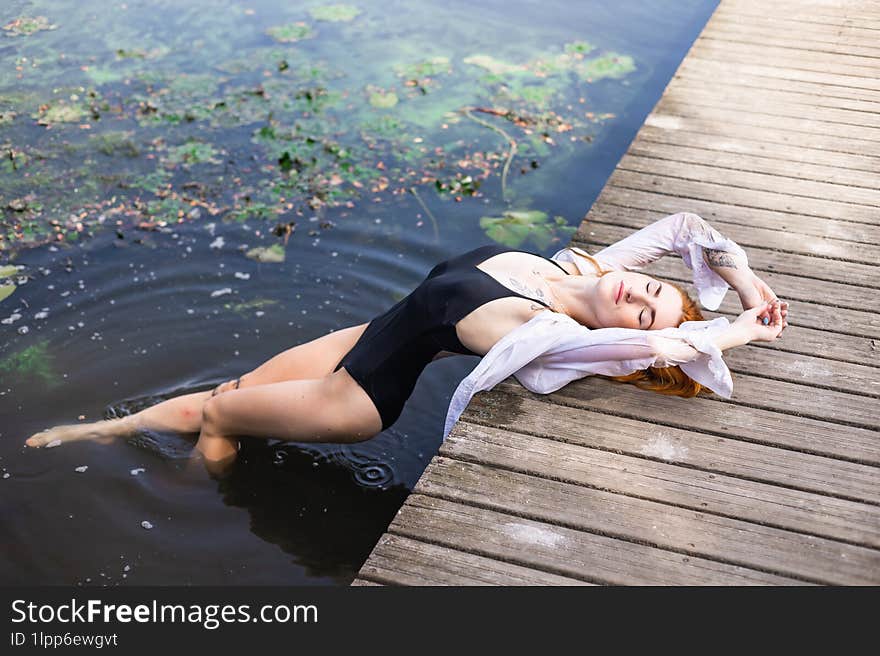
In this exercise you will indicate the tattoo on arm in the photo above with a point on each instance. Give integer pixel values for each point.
(719, 258)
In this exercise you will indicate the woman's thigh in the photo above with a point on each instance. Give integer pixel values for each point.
(333, 408)
(311, 360)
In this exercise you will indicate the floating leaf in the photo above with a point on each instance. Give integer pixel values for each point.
(27, 25)
(8, 270)
(273, 254)
(192, 152)
(6, 290)
(579, 47)
(611, 65)
(383, 99)
(515, 227)
(335, 13)
(291, 32)
(493, 65)
(61, 113)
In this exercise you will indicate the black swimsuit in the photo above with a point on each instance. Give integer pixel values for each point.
(397, 345)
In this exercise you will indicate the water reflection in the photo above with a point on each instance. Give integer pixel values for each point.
(327, 513)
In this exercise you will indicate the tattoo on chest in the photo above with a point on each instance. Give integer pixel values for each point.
(720, 258)
(522, 288)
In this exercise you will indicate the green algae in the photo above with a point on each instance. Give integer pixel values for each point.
(35, 362)
(382, 99)
(335, 13)
(514, 228)
(27, 25)
(611, 65)
(191, 152)
(291, 33)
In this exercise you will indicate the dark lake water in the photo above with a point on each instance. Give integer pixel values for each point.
(149, 147)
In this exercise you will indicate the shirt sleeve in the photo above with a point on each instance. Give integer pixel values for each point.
(686, 234)
(551, 350)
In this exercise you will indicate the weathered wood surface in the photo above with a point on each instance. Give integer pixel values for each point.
(770, 129)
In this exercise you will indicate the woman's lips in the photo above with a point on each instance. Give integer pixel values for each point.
(619, 292)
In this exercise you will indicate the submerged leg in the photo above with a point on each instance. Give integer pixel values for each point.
(329, 409)
(182, 414)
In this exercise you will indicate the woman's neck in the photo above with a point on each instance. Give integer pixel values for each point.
(575, 294)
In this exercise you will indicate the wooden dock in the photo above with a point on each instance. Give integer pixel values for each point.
(770, 130)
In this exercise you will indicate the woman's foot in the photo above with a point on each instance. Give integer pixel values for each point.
(99, 431)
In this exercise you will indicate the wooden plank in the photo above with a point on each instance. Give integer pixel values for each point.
(565, 551)
(752, 38)
(810, 558)
(796, 272)
(812, 342)
(708, 453)
(743, 229)
(857, 71)
(715, 127)
(837, 131)
(826, 14)
(728, 83)
(724, 212)
(869, 85)
(718, 494)
(767, 102)
(809, 370)
(399, 560)
(711, 416)
(768, 200)
(767, 75)
(787, 23)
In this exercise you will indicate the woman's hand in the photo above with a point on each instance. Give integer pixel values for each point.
(751, 322)
(753, 291)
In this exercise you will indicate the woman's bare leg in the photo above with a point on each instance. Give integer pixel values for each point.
(329, 409)
(183, 414)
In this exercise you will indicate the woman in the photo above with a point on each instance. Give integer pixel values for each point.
(547, 321)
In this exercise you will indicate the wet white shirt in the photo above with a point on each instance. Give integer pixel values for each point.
(552, 349)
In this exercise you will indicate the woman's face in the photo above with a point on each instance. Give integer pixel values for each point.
(625, 299)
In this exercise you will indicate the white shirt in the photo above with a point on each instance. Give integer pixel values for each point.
(552, 349)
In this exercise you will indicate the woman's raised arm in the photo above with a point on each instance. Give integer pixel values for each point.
(715, 260)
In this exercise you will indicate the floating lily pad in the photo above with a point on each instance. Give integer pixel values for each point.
(611, 65)
(579, 48)
(272, 254)
(335, 13)
(426, 68)
(27, 25)
(291, 32)
(383, 99)
(8, 270)
(61, 112)
(6, 290)
(513, 228)
(192, 152)
(493, 65)
(35, 361)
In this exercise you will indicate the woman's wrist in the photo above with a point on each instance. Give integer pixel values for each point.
(736, 334)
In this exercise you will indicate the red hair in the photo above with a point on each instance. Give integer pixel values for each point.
(664, 380)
